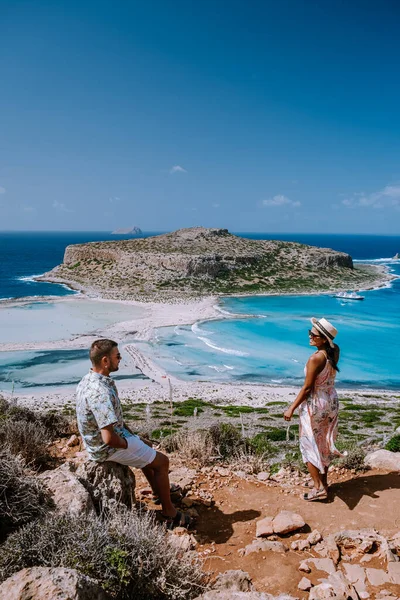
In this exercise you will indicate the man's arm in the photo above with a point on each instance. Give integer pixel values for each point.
(111, 438)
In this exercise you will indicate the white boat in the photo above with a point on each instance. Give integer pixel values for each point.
(348, 296)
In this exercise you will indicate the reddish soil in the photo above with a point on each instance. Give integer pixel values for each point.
(369, 500)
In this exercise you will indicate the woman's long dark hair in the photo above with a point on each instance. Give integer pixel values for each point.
(332, 353)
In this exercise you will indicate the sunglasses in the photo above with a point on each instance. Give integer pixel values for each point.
(313, 335)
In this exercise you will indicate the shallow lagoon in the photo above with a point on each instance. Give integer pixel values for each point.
(39, 321)
(264, 339)
(52, 369)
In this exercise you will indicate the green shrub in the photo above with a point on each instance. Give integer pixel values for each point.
(279, 434)
(128, 554)
(261, 445)
(371, 417)
(393, 444)
(186, 408)
(22, 496)
(226, 439)
(236, 411)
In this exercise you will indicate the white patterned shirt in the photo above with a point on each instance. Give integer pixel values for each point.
(97, 406)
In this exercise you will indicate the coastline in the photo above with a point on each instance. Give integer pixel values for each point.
(141, 328)
(382, 279)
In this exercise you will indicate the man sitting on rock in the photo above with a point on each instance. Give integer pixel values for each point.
(107, 438)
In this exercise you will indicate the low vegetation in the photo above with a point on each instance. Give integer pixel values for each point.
(127, 553)
(28, 433)
(393, 444)
(22, 496)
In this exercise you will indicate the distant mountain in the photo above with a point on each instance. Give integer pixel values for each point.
(128, 231)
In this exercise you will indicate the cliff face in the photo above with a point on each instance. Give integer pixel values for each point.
(200, 261)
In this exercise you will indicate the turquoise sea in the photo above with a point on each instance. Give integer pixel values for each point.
(257, 339)
(264, 340)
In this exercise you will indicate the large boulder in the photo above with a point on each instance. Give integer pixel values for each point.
(383, 459)
(68, 494)
(108, 484)
(48, 583)
(237, 581)
(287, 521)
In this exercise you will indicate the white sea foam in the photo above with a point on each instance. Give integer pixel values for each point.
(276, 380)
(198, 330)
(224, 312)
(29, 278)
(220, 369)
(178, 330)
(225, 350)
(376, 260)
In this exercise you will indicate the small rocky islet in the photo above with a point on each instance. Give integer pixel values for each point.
(197, 262)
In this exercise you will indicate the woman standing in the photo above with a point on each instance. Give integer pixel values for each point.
(319, 406)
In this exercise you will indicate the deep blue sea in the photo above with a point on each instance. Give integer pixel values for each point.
(25, 254)
(258, 339)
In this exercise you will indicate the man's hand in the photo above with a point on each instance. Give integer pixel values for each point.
(288, 414)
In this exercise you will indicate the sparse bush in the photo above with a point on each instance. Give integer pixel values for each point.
(191, 445)
(28, 439)
(354, 459)
(55, 424)
(294, 460)
(128, 553)
(22, 496)
(226, 439)
(249, 462)
(393, 444)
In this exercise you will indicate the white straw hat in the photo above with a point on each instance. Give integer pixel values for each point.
(326, 328)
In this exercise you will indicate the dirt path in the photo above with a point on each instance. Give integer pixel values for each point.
(364, 501)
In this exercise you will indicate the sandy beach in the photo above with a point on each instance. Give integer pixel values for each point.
(62, 323)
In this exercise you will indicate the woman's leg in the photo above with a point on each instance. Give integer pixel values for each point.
(316, 476)
(324, 478)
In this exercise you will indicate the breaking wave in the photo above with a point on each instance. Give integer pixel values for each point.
(225, 350)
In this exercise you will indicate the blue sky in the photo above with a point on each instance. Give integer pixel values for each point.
(256, 116)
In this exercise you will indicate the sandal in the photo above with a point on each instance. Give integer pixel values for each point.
(315, 494)
(181, 519)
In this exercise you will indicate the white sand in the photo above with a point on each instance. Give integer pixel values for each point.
(141, 327)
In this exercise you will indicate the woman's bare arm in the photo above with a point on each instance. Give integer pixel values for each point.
(315, 364)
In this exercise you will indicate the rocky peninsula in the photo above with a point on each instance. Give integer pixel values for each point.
(198, 262)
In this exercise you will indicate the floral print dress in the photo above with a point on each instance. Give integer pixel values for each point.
(319, 421)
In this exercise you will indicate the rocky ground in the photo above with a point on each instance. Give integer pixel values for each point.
(260, 527)
(257, 537)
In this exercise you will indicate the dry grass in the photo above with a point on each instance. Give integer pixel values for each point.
(22, 496)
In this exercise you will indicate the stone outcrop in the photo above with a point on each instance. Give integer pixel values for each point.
(383, 459)
(238, 581)
(50, 583)
(199, 261)
(68, 494)
(335, 586)
(108, 484)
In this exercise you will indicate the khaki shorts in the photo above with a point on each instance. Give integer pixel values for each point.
(137, 454)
